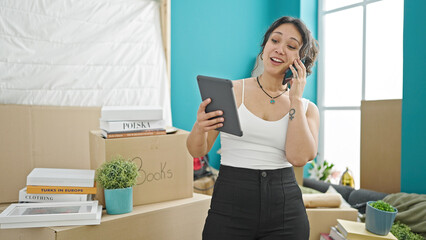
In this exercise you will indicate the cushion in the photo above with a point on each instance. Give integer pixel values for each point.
(343, 202)
(360, 197)
(322, 186)
(364, 195)
(306, 190)
(327, 200)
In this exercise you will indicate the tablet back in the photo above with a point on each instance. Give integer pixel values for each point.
(222, 95)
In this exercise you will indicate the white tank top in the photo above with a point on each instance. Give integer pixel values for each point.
(262, 145)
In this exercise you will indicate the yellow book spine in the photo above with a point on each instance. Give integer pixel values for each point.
(60, 190)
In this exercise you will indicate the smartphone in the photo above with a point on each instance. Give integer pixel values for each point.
(289, 74)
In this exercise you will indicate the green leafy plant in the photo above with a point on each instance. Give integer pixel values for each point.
(403, 232)
(117, 173)
(320, 171)
(381, 205)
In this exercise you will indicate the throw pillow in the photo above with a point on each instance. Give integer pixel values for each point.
(343, 204)
(306, 190)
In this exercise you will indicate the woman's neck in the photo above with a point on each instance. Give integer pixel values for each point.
(271, 83)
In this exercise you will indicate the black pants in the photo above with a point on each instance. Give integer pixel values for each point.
(256, 204)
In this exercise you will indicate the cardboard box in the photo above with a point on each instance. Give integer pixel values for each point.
(165, 165)
(322, 219)
(204, 185)
(298, 173)
(380, 137)
(178, 219)
(42, 136)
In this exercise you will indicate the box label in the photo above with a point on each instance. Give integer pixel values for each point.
(159, 174)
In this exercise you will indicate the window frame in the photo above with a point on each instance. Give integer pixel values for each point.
(321, 78)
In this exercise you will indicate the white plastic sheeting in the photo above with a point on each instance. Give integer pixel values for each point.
(82, 53)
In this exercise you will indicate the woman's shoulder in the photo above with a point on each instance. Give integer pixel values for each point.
(312, 108)
(309, 103)
(238, 89)
(237, 82)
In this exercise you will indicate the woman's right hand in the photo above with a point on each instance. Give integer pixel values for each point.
(204, 122)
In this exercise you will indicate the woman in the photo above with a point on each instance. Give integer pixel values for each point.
(256, 195)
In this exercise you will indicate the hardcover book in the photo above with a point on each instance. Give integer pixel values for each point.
(357, 231)
(126, 113)
(95, 221)
(60, 190)
(335, 234)
(325, 236)
(28, 215)
(128, 126)
(140, 133)
(61, 177)
(25, 197)
(39, 212)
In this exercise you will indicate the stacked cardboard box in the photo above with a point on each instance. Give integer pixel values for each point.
(42, 136)
(204, 185)
(321, 219)
(178, 219)
(165, 166)
(58, 137)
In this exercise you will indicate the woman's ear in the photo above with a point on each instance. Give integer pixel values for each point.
(258, 66)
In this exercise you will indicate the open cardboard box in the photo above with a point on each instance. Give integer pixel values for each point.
(322, 219)
(178, 219)
(164, 163)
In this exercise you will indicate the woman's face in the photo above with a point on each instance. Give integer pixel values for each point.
(281, 49)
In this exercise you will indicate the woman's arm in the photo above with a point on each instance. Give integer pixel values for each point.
(302, 132)
(203, 133)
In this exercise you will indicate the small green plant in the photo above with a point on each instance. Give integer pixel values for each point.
(403, 232)
(381, 205)
(117, 173)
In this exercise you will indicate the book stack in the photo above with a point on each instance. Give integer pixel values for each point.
(354, 231)
(325, 236)
(131, 121)
(54, 197)
(58, 185)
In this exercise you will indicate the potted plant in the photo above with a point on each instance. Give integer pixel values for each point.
(379, 217)
(118, 177)
(320, 171)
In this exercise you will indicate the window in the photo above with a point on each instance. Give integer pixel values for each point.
(361, 59)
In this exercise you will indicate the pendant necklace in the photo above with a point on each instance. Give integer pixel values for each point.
(272, 101)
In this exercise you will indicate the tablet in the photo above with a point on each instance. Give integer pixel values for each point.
(222, 95)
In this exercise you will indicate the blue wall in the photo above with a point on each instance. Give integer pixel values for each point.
(218, 38)
(413, 134)
(221, 38)
(309, 15)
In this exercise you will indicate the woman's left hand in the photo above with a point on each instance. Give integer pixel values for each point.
(298, 81)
